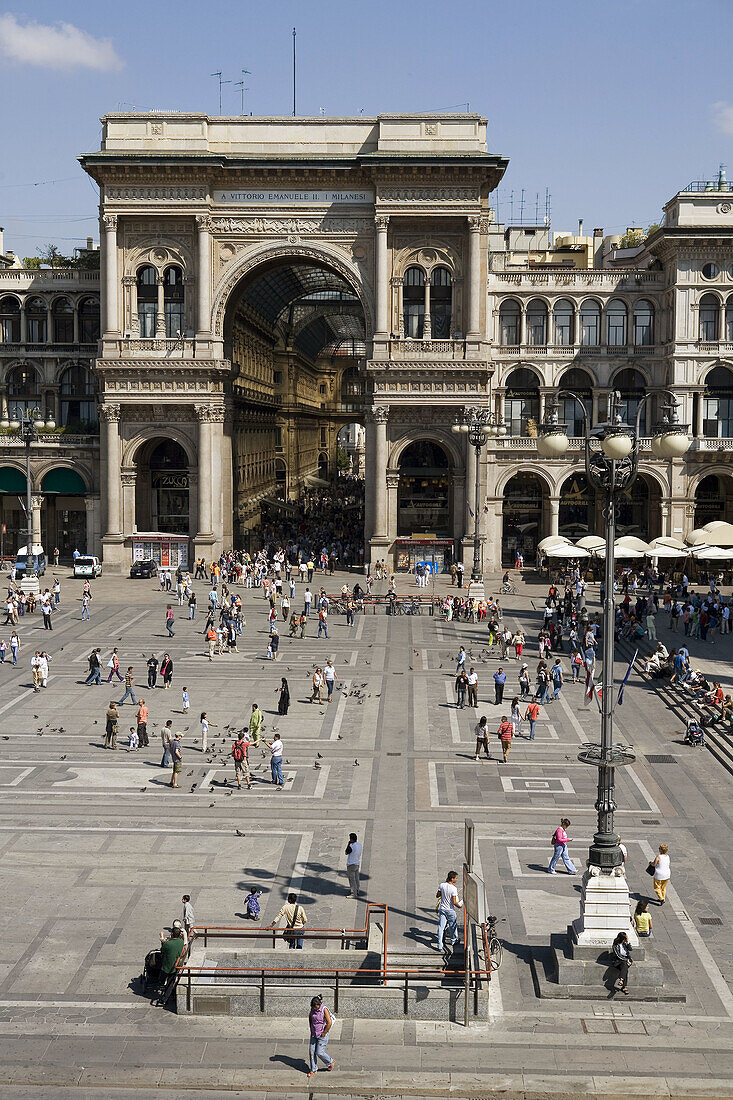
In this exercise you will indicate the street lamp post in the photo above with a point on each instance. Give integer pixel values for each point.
(479, 425)
(611, 464)
(29, 424)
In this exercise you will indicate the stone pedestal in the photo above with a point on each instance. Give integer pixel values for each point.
(604, 909)
(31, 585)
(476, 590)
(115, 555)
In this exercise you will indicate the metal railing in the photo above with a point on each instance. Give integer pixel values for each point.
(385, 976)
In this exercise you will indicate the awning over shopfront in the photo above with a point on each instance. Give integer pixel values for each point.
(65, 482)
(11, 480)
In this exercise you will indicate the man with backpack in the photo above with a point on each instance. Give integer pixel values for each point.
(240, 750)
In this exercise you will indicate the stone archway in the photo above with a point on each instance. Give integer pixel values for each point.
(424, 491)
(525, 516)
(162, 487)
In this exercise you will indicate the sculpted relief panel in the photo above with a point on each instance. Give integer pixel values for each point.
(282, 227)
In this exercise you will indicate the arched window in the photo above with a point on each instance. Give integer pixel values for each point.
(709, 313)
(729, 320)
(9, 320)
(643, 324)
(522, 402)
(173, 301)
(563, 316)
(590, 324)
(616, 324)
(89, 320)
(717, 416)
(63, 321)
(441, 302)
(509, 323)
(413, 302)
(24, 388)
(424, 490)
(536, 323)
(147, 300)
(78, 404)
(571, 411)
(632, 387)
(35, 312)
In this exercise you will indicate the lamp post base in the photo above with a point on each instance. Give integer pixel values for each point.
(476, 590)
(604, 909)
(30, 584)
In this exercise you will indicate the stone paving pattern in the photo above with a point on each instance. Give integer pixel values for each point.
(96, 851)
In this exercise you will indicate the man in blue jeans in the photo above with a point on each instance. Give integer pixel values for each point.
(449, 902)
(557, 678)
(276, 760)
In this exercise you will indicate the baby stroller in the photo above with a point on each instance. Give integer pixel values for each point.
(695, 734)
(152, 977)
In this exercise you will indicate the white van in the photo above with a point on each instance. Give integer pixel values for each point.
(87, 566)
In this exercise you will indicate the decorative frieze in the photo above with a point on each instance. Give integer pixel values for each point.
(428, 194)
(279, 227)
(109, 412)
(155, 194)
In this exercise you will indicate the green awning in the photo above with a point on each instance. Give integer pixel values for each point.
(66, 482)
(11, 480)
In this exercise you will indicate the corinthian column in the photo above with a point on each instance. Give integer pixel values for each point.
(205, 419)
(111, 288)
(203, 323)
(110, 417)
(382, 274)
(380, 416)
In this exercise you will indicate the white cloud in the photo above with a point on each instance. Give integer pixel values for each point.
(723, 117)
(61, 46)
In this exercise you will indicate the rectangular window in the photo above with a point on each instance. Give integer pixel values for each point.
(322, 388)
(589, 330)
(563, 330)
(518, 411)
(279, 438)
(510, 331)
(708, 324)
(717, 420)
(173, 319)
(277, 377)
(323, 437)
(146, 319)
(36, 330)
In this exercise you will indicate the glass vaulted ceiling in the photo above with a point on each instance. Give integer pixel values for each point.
(310, 307)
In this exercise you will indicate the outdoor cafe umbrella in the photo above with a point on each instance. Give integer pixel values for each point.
(552, 540)
(671, 548)
(712, 553)
(565, 550)
(594, 543)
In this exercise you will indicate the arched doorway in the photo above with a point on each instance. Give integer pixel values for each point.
(350, 454)
(64, 514)
(524, 512)
(639, 509)
(522, 402)
(281, 479)
(577, 512)
(12, 514)
(713, 499)
(424, 498)
(162, 488)
(323, 466)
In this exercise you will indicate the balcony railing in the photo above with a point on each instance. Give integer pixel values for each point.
(529, 443)
(578, 277)
(49, 349)
(54, 439)
(570, 351)
(31, 276)
(408, 348)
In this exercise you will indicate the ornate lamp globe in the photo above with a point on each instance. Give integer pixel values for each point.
(553, 444)
(670, 444)
(617, 445)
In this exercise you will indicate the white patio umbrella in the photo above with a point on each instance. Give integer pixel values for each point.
(559, 550)
(663, 551)
(622, 550)
(668, 540)
(698, 537)
(594, 543)
(719, 533)
(553, 540)
(633, 543)
(712, 553)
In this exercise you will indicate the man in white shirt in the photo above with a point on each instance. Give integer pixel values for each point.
(449, 902)
(307, 601)
(353, 859)
(329, 675)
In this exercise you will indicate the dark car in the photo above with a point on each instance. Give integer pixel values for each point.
(146, 567)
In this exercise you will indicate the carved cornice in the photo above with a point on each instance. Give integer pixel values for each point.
(264, 225)
(154, 194)
(428, 194)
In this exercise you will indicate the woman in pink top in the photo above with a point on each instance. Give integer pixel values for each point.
(560, 841)
(319, 1019)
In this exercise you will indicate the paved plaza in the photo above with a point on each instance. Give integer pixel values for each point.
(96, 851)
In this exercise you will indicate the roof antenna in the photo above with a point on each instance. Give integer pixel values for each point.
(240, 84)
(293, 72)
(220, 84)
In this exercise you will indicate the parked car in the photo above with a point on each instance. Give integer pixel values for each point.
(145, 567)
(38, 563)
(87, 566)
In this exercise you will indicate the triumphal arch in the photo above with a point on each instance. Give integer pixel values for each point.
(266, 281)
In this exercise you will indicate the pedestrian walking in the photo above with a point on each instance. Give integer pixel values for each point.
(518, 643)
(532, 713)
(113, 664)
(622, 960)
(330, 677)
(461, 660)
(317, 681)
(447, 903)
(166, 736)
(274, 645)
(185, 700)
(166, 670)
(515, 717)
(255, 725)
(322, 622)
(499, 682)
(111, 726)
(319, 1022)
(211, 641)
(505, 733)
(461, 688)
(524, 683)
(95, 668)
(482, 737)
(560, 841)
(557, 678)
(276, 761)
(206, 725)
(169, 619)
(240, 756)
(177, 758)
(283, 702)
(662, 873)
(152, 670)
(353, 862)
(295, 922)
(128, 688)
(86, 599)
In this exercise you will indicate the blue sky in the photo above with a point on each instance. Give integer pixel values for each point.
(612, 106)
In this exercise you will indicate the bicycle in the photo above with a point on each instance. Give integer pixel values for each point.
(496, 949)
(508, 589)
